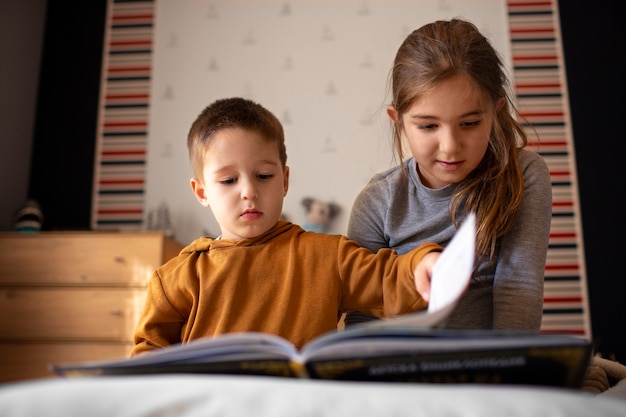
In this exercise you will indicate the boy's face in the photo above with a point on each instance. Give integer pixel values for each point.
(244, 183)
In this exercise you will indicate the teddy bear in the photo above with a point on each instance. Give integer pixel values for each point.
(319, 214)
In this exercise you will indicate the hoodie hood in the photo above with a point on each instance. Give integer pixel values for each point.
(205, 243)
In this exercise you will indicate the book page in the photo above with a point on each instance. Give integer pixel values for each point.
(453, 269)
(231, 346)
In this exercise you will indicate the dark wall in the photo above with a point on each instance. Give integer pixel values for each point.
(21, 42)
(593, 41)
(66, 118)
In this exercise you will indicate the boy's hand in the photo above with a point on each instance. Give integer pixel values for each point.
(423, 273)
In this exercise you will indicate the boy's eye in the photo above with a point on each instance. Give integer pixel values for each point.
(265, 176)
(228, 181)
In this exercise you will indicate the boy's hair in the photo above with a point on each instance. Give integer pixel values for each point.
(234, 112)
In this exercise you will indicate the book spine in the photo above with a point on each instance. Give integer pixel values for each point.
(552, 366)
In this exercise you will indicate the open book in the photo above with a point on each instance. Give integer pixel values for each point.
(409, 348)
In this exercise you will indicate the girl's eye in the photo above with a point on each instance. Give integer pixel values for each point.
(471, 123)
(427, 127)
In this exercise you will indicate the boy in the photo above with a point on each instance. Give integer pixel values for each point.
(262, 273)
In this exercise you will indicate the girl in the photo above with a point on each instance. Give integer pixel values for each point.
(450, 106)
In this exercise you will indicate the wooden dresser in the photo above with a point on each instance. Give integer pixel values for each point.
(72, 296)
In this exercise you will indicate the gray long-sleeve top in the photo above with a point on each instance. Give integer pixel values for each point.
(390, 212)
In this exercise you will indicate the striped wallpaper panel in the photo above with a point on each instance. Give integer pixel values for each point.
(541, 90)
(120, 166)
(540, 87)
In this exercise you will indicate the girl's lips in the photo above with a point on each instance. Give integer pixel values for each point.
(450, 166)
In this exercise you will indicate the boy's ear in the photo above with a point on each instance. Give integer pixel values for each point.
(393, 114)
(286, 179)
(198, 191)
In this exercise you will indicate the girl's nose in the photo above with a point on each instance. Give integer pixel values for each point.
(449, 141)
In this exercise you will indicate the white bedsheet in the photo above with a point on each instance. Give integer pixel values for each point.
(225, 396)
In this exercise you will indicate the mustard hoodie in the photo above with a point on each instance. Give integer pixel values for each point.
(289, 282)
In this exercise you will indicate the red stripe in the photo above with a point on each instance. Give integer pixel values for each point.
(576, 331)
(548, 143)
(130, 43)
(535, 58)
(562, 204)
(562, 300)
(125, 124)
(534, 30)
(529, 3)
(561, 267)
(560, 173)
(111, 182)
(127, 69)
(562, 234)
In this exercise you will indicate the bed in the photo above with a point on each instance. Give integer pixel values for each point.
(259, 396)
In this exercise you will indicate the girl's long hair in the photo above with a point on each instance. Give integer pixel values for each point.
(434, 53)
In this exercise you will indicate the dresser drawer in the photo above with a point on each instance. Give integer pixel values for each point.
(88, 258)
(72, 296)
(23, 360)
(69, 313)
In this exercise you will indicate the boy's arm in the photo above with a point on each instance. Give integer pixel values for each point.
(409, 277)
(159, 324)
(384, 284)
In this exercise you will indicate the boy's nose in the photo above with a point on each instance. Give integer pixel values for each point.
(249, 191)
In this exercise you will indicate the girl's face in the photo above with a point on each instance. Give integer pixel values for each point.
(447, 130)
(244, 183)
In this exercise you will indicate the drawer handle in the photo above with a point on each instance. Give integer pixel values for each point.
(116, 312)
(119, 259)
